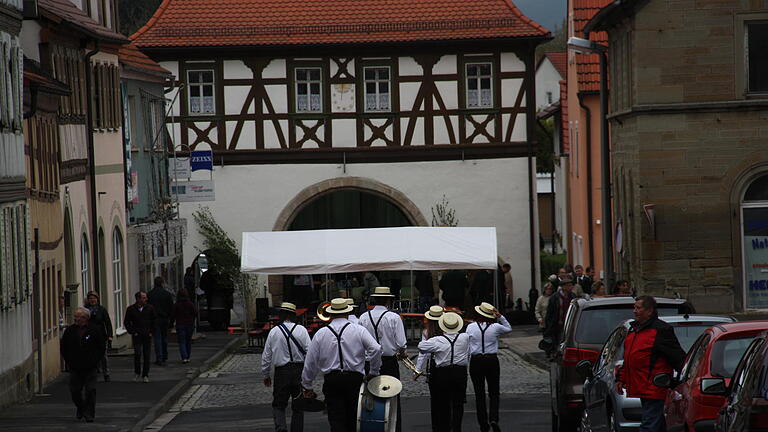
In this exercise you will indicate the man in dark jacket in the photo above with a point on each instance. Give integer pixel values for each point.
(82, 348)
(556, 310)
(650, 348)
(100, 318)
(162, 301)
(454, 285)
(140, 322)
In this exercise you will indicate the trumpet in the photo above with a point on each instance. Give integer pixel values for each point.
(410, 365)
(321, 311)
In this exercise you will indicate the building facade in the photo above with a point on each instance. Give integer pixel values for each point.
(688, 130)
(401, 109)
(17, 365)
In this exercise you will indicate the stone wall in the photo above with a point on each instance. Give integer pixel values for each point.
(18, 383)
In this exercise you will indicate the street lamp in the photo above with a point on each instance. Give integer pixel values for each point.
(585, 46)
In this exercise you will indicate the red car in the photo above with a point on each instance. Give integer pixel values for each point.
(693, 405)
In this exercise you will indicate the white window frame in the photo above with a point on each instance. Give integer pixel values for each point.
(117, 276)
(308, 82)
(85, 257)
(201, 85)
(478, 80)
(376, 81)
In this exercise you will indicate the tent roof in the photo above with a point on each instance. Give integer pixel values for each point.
(357, 250)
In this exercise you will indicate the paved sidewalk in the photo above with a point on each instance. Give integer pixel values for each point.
(121, 405)
(524, 341)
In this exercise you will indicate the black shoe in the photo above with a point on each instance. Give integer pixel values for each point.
(107, 378)
(495, 427)
(79, 414)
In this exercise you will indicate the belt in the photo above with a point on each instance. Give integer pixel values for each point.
(291, 364)
(484, 355)
(343, 372)
(454, 366)
(388, 357)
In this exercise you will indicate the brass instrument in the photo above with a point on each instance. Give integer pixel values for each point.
(410, 365)
(321, 314)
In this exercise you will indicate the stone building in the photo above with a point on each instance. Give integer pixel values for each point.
(689, 126)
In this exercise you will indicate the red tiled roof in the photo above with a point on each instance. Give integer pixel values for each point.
(64, 11)
(588, 65)
(129, 55)
(195, 23)
(560, 61)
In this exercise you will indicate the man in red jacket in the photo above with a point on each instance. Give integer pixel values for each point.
(651, 348)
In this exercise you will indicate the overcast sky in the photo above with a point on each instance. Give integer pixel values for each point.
(549, 13)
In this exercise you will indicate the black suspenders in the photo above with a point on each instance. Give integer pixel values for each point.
(338, 339)
(482, 336)
(288, 337)
(376, 324)
(451, 342)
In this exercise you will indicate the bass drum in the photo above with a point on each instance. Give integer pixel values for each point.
(374, 413)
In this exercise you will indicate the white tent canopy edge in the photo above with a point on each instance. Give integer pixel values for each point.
(358, 250)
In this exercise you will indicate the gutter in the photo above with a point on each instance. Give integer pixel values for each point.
(92, 166)
(590, 215)
(530, 120)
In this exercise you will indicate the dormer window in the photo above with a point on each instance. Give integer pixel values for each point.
(201, 99)
(308, 94)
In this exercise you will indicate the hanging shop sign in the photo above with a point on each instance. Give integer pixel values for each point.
(193, 191)
(202, 160)
(178, 168)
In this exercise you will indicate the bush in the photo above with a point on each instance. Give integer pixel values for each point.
(550, 264)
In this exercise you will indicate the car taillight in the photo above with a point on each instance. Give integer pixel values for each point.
(573, 356)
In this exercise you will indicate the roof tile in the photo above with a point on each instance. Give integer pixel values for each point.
(66, 11)
(129, 55)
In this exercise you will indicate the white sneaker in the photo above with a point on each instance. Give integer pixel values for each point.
(185, 361)
(146, 379)
(137, 378)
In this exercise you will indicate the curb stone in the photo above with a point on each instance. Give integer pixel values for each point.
(182, 386)
(532, 358)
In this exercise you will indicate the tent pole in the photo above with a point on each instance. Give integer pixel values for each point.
(326, 287)
(496, 288)
(413, 306)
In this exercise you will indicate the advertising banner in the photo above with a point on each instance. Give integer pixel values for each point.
(756, 257)
(202, 160)
(193, 191)
(178, 168)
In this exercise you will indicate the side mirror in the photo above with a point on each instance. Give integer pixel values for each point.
(713, 386)
(663, 380)
(584, 368)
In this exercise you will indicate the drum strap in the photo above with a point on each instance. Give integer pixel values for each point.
(338, 339)
(452, 342)
(482, 335)
(288, 338)
(376, 324)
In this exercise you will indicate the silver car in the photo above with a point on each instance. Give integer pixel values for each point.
(607, 410)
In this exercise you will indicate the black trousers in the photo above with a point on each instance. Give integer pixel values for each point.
(287, 385)
(450, 389)
(484, 369)
(433, 408)
(82, 386)
(341, 391)
(390, 366)
(142, 349)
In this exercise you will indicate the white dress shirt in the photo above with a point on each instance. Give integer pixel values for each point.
(357, 347)
(391, 331)
(353, 319)
(423, 358)
(484, 336)
(440, 347)
(276, 349)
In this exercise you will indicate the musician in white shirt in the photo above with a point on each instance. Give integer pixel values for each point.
(387, 327)
(339, 352)
(425, 360)
(484, 363)
(352, 317)
(451, 353)
(285, 349)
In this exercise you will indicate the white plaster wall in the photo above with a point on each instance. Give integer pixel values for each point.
(510, 62)
(30, 39)
(335, 68)
(236, 69)
(234, 97)
(418, 131)
(446, 65)
(16, 334)
(275, 69)
(408, 93)
(449, 91)
(344, 133)
(247, 138)
(278, 95)
(510, 88)
(547, 80)
(472, 188)
(408, 66)
(519, 132)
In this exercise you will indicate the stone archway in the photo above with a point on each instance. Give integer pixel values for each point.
(311, 193)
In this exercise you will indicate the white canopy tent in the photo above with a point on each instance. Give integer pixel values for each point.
(359, 250)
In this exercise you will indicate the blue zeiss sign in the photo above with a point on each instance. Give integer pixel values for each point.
(202, 160)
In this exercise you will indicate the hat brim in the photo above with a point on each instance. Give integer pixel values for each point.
(479, 310)
(381, 295)
(346, 310)
(432, 317)
(287, 310)
(447, 329)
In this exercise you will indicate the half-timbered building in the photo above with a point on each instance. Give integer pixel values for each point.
(331, 114)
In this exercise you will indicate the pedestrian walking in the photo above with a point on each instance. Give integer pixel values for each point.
(339, 352)
(139, 322)
(162, 301)
(650, 348)
(425, 363)
(189, 280)
(285, 349)
(387, 328)
(542, 303)
(100, 318)
(451, 352)
(556, 310)
(82, 348)
(183, 316)
(484, 362)
(509, 293)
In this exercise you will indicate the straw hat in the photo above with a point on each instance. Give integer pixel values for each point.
(486, 309)
(351, 302)
(338, 306)
(385, 386)
(434, 313)
(290, 307)
(451, 322)
(382, 292)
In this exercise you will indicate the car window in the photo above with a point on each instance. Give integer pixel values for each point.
(689, 358)
(614, 345)
(726, 354)
(595, 324)
(741, 374)
(695, 359)
(568, 323)
(687, 333)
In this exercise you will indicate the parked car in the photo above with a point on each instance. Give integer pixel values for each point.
(608, 410)
(709, 365)
(588, 323)
(746, 407)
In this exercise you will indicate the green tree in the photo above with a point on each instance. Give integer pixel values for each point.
(220, 249)
(545, 154)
